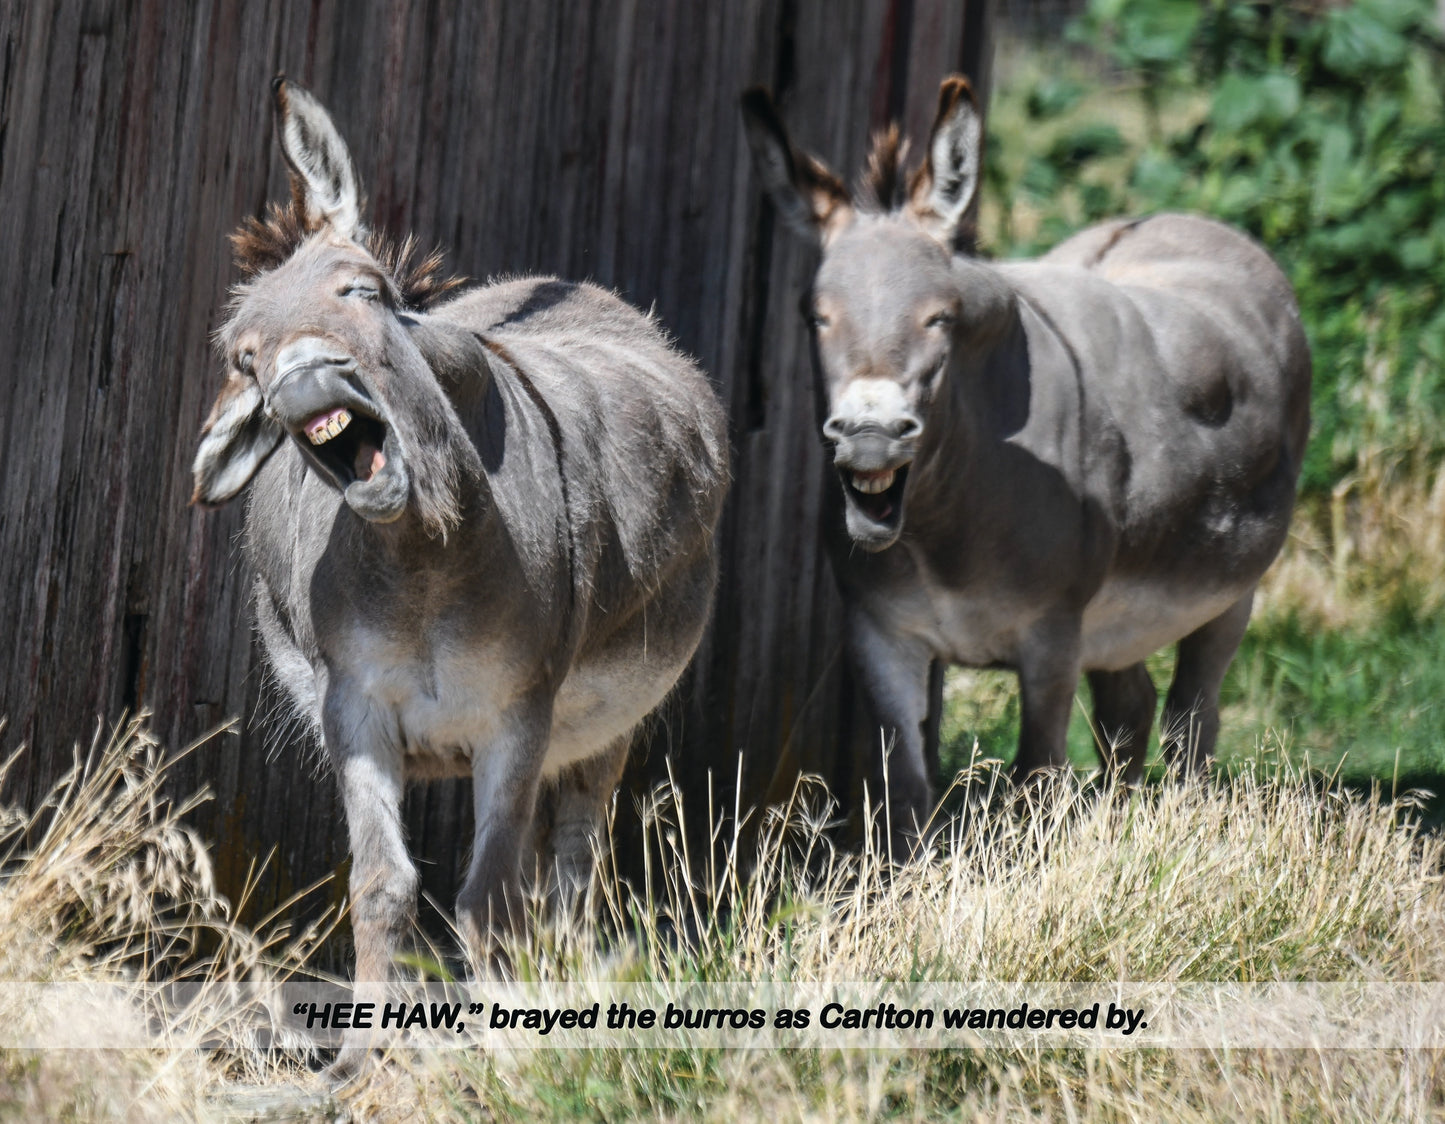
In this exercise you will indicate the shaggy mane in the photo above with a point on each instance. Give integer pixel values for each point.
(262, 244)
(886, 186)
(880, 187)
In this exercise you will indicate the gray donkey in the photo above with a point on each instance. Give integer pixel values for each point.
(481, 524)
(1056, 466)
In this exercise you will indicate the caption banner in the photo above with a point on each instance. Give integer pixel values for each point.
(611, 1015)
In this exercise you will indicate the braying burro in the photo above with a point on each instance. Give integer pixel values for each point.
(481, 522)
(1056, 466)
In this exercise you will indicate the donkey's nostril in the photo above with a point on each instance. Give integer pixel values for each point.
(905, 428)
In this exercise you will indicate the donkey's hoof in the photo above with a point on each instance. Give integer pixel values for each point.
(352, 1064)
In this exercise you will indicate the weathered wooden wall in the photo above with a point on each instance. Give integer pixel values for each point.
(597, 140)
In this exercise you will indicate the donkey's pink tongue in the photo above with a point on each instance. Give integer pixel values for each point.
(369, 461)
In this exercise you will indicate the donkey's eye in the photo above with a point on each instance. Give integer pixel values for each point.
(362, 290)
(246, 362)
(815, 319)
(942, 319)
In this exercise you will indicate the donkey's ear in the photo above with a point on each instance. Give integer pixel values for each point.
(948, 179)
(810, 198)
(235, 441)
(323, 179)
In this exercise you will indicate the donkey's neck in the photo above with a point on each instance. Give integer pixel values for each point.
(450, 492)
(983, 402)
(459, 359)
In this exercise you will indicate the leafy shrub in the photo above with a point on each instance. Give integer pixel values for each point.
(1322, 133)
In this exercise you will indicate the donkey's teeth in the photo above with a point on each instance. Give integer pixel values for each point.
(871, 483)
(324, 427)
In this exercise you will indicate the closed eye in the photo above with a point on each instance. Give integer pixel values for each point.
(362, 290)
(942, 319)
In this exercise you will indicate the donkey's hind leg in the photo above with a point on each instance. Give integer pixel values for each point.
(1190, 725)
(571, 811)
(1124, 703)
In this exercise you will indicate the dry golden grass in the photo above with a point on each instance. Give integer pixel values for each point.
(104, 883)
(1374, 548)
(1268, 876)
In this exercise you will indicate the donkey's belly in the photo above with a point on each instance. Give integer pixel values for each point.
(623, 678)
(1130, 618)
(600, 702)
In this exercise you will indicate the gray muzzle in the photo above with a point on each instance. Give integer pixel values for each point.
(872, 446)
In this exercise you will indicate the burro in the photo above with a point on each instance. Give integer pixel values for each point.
(1056, 466)
(481, 523)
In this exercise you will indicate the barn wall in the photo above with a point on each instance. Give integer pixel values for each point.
(594, 140)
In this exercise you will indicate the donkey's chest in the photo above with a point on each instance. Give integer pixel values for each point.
(977, 627)
(431, 699)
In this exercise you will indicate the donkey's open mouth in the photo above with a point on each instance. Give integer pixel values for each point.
(349, 443)
(877, 496)
(361, 455)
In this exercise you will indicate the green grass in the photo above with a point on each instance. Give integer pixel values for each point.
(1368, 704)
(1263, 878)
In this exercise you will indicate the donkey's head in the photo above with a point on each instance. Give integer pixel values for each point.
(319, 345)
(891, 304)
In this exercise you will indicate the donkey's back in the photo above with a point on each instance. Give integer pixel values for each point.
(1191, 260)
(642, 439)
(1187, 336)
(641, 446)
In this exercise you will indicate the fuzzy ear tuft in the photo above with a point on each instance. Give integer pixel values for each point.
(323, 178)
(946, 183)
(235, 441)
(811, 199)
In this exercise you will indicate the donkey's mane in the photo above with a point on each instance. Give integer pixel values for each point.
(262, 244)
(885, 186)
(881, 185)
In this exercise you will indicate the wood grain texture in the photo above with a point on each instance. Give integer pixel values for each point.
(597, 140)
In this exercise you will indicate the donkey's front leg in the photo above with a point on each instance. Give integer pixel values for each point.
(505, 778)
(383, 878)
(893, 671)
(383, 885)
